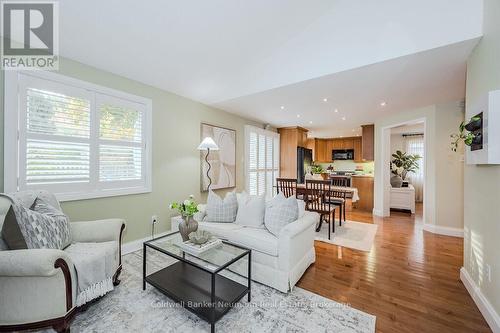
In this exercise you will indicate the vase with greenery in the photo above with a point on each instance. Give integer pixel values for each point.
(187, 209)
(316, 169)
(403, 163)
(465, 133)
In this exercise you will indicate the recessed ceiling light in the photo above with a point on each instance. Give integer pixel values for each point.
(310, 121)
(325, 99)
(336, 110)
(383, 103)
(282, 107)
(343, 118)
(298, 116)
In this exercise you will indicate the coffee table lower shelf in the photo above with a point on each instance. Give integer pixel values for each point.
(192, 288)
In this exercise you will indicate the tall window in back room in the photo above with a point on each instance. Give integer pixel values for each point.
(261, 160)
(75, 139)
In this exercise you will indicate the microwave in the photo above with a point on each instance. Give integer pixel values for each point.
(343, 154)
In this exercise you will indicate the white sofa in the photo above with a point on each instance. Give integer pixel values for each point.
(278, 262)
(38, 286)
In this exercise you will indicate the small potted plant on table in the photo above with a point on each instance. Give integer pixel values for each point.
(187, 209)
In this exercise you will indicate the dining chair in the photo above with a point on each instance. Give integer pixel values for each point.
(316, 193)
(338, 197)
(287, 186)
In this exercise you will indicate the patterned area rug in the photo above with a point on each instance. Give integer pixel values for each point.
(130, 309)
(354, 235)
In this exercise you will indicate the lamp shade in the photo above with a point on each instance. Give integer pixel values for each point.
(208, 143)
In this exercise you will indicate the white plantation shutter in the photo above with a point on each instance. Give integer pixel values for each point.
(261, 160)
(121, 142)
(74, 140)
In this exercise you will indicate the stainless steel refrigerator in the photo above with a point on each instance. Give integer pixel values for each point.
(304, 161)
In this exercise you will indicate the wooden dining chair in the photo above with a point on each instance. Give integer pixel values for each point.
(317, 191)
(287, 186)
(338, 197)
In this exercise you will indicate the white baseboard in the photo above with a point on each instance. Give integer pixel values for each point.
(137, 244)
(377, 212)
(487, 310)
(447, 231)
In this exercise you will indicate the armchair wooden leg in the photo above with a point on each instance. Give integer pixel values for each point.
(116, 280)
(63, 327)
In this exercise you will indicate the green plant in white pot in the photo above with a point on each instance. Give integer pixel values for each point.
(403, 163)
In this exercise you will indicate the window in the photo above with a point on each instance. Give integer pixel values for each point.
(75, 139)
(261, 160)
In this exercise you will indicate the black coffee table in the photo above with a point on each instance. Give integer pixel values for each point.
(195, 281)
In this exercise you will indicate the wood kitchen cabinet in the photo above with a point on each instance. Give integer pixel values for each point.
(321, 151)
(368, 142)
(358, 156)
(364, 184)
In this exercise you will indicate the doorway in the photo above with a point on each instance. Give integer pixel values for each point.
(409, 138)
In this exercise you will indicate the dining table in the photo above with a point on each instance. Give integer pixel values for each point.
(352, 192)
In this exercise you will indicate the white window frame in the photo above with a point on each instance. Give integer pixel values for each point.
(274, 135)
(15, 135)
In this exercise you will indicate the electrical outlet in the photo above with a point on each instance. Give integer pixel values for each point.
(154, 219)
(488, 272)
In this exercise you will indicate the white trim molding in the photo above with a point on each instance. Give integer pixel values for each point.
(487, 310)
(446, 231)
(136, 245)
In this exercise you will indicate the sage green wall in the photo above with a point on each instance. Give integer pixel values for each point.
(482, 182)
(176, 162)
(443, 168)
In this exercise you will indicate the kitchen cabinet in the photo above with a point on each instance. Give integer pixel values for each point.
(321, 151)
(368, 142)
(311, 144)
(358, 156)
(364, 184)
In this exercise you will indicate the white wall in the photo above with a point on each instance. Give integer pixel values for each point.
(482, 182)
(397, 143)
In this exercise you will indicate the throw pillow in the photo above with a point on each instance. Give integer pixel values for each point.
(11, 232)
(280, 211)
(302, 207)
(61, 230)
(219, 210)
(24, 228)
(251, 209)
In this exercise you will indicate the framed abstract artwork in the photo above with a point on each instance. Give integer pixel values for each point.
(222, 161)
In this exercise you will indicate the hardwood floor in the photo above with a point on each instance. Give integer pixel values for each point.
(409, 280)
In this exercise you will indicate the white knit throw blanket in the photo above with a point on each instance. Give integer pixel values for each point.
(93, 264)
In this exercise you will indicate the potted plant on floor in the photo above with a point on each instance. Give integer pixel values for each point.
(402, 164)
(187, 209)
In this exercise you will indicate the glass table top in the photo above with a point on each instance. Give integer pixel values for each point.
(217, 257)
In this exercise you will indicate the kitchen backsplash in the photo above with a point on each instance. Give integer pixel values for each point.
(364, 167)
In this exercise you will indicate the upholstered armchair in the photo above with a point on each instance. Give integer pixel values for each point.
(38, 287)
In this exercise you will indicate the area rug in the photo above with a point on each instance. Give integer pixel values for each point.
(130, 309)
(354, 235)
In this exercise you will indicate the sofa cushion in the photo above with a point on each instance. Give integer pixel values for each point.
(280, 211)
(251, 209)
(256, 239)
(221, 230)
(221, 211)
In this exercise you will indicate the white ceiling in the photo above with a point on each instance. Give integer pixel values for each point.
(234, 53)
(408, 82)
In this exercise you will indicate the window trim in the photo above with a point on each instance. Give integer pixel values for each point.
(274, 135)
(12, 152)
